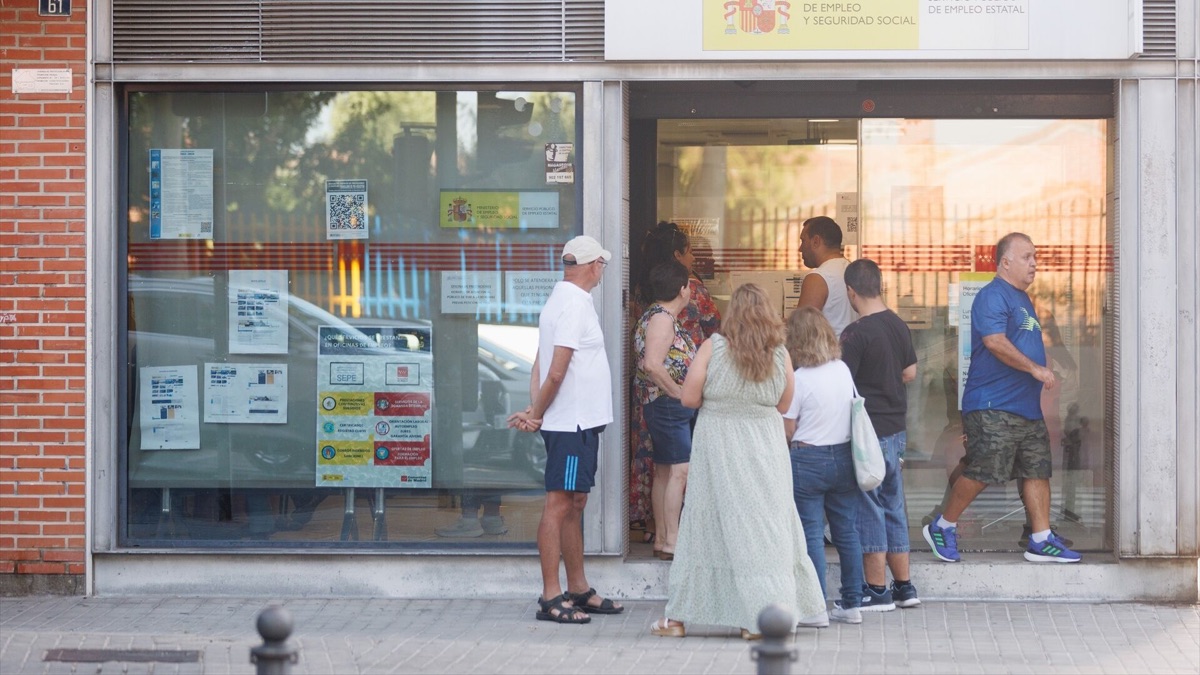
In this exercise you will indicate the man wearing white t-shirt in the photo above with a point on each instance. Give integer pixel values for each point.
(825, 287)
(571, 394)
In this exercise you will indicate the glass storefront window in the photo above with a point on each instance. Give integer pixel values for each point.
(927, 200)
(936, 197)
(332, 308)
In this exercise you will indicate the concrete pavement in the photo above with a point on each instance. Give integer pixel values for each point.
(501, 636)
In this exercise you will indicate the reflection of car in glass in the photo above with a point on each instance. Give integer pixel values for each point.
(174, 322)
(493, 454)
(503, 390)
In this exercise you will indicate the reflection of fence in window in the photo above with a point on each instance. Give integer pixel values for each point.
(763, 238)
(351, 278)
(923, 247)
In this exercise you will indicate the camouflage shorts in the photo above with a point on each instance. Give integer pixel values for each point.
(1002, 446)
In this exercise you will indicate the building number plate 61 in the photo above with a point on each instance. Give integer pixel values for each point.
(54, 7)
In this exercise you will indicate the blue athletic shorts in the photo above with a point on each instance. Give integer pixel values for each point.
(571, 459)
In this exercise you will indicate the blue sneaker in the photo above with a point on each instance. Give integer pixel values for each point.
(906, 595)
(1054, 549)
(876, 602)
(943, 540)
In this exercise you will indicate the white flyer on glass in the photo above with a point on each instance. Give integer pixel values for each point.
(345, 209)
(470, 292)
(258, 311)
(847, 217)
(527, 292)
(969, 285)
(181, 194)
(169, 408)
(245, 393)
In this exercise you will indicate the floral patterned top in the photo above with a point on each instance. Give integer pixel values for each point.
(679, 356)
(700, 318)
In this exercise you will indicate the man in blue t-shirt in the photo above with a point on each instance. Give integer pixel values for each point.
(1002, 411)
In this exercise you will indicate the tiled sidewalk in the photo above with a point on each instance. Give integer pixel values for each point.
(501, 636)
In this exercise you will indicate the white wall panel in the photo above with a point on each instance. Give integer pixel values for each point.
(1157, 288)
(1188, 272)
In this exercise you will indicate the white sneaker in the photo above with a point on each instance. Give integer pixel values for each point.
(844, 615)
(465, 527)
(815, 621)
(493, 525)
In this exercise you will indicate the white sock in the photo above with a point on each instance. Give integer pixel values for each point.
(945, 524)
(1039, 537)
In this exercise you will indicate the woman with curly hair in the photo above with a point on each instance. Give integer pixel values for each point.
(665, 242)
(663, 350)
(741, 545)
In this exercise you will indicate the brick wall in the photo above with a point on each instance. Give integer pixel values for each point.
(42, 298)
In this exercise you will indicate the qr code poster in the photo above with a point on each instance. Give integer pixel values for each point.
(847, 217)
(345, 209)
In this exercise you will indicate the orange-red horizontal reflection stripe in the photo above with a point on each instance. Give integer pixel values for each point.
(203, 256)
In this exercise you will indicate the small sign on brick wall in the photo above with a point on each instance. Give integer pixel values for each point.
(41, 80)
(54, 7)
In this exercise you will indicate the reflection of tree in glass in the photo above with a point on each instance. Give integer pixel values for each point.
(353, 139)
(257, 139)
(274, 151)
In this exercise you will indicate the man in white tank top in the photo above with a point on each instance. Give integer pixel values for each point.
(825, 288)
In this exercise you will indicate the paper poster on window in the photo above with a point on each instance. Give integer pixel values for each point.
(374, 403)
(345, 209)
(245, 393)
(258, 311)
(777, 284)
(847, 217)
(791, 292)
(560, 169)
(470, 292)
(969, 285)
(169, 408)
(498, 209)
(181, 194)
(527, 292)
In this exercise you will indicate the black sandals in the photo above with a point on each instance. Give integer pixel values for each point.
(556, 610)
(606, 606)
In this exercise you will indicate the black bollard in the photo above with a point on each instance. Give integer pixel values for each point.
(774, 655)
(275, 656)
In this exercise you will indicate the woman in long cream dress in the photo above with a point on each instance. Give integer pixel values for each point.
(741, 545)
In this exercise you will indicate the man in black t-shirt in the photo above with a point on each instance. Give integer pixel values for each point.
(878, 349)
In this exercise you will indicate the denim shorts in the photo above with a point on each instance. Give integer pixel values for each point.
(670, 425)
(882, 519)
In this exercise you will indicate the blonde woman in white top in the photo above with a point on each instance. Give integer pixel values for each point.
(818, 427)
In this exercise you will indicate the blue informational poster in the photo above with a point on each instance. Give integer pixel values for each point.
(181, 194)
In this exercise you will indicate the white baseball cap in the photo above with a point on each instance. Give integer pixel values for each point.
(585, 250)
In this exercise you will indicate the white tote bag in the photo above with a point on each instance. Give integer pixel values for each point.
(869, 467)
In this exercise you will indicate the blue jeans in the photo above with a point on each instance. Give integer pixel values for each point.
(823, 486)
(882, 519)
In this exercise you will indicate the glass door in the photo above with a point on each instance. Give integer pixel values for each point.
(936, 197)
(927, 200)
